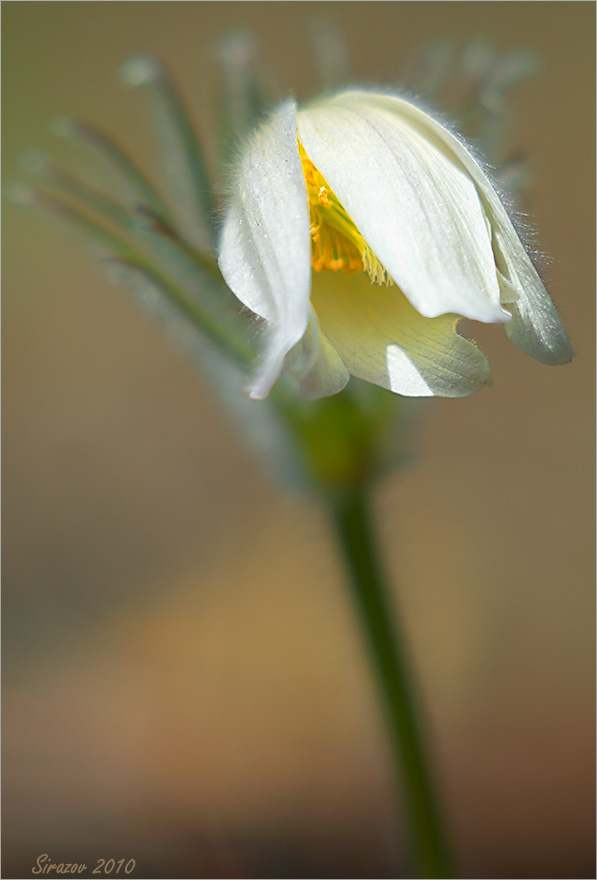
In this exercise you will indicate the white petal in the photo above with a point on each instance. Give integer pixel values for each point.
(536, 327)
(265, 247)
(417, 209)
(381, 338)
(316, 364)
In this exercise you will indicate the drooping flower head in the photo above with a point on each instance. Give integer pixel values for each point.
(363, 231)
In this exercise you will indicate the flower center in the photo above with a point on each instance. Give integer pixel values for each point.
(337, 244)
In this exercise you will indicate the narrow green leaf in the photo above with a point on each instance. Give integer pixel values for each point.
(139, 189)
(243, 97)
(148, 230)
(150, 279)
(183, 159)
(196, 272)
(101, 238)
(110, 210)
(225, 332)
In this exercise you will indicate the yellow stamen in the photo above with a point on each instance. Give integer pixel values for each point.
(337, 244)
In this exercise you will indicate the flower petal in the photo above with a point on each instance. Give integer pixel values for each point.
(265, 247)
(536, 327)
(316, 364)
(418, 210)
(381, 338)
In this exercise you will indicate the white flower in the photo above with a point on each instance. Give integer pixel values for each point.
(405, 235)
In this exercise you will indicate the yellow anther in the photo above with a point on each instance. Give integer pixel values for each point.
(322, 197)
(337, 244)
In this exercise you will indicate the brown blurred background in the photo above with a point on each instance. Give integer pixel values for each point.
(184, 683)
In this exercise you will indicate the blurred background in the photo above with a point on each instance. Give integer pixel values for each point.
(184, 682)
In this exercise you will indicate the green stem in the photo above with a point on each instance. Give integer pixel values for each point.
(386, 647)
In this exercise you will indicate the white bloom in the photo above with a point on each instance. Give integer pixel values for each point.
(413, 237)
